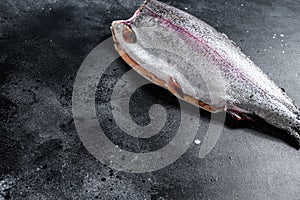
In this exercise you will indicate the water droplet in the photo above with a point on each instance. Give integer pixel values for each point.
(283, 51)
(197, 141)
(281, 35)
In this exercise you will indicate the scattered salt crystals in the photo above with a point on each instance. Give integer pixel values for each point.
(270, 47)
(247, 31)
(285, 44)
(265, 49)
(197, 141)
(50, 9)
(185, 8)
(242, 5)
(43, 8)
(283, 51)
(274, 35)
(281, 45)
(281, 40)
(5, 185)
(281, 35)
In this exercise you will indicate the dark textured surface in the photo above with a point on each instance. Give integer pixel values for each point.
(42, 45)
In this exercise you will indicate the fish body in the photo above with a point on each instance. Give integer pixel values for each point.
(200, 65)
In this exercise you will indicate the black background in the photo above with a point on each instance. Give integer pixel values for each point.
(43, 43)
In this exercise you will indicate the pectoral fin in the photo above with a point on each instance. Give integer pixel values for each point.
(175, 88)
(240, 115)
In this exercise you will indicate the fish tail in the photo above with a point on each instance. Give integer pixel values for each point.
(295, 134)
(294, 130)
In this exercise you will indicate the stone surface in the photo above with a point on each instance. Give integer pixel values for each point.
(42, 45)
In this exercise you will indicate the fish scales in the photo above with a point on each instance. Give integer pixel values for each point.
(197, 63)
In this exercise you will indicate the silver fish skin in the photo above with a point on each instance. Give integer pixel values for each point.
(200, 65)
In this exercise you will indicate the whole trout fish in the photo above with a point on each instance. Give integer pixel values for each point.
(200, 65)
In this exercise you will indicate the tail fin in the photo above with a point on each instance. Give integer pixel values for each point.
(295, 134)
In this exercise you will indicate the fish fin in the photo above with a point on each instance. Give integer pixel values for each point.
(239, 115)
(295, 135)
(175, 88)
